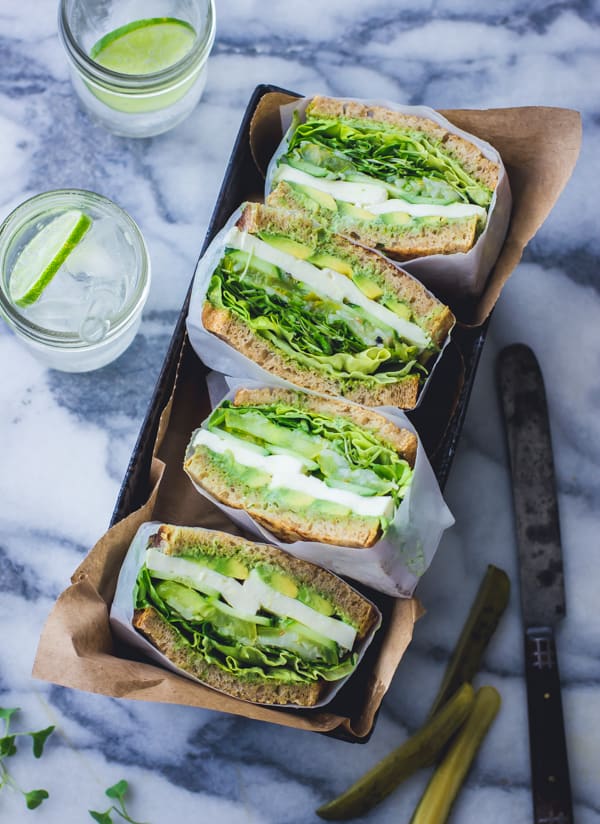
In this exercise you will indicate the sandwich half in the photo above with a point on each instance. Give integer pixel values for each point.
(322, 312)
(396, 182)
(303, 466)
(249, 619)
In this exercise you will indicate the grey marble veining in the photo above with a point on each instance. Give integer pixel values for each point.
(65, 440)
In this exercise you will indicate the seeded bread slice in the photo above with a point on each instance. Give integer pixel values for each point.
(466, 153)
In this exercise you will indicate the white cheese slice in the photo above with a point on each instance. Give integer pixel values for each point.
(201, 578)
(284, 606)
(327, 282)
(369, 194)
(248, 597)
(361, 194)
(427, 209)
(287, 473)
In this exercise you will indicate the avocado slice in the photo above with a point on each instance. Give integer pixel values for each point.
(187, 602)
(229, 566)
(329, 509)
(287, 245)
(254, 478)
(298, 638)
(346, 209)
(312, 599)
(396, 218)
(324, 199)
(232, 567)
(241, 260)
(325, 261)
(398, 308)
(278, 580)
(367, 286)
(260, 428)
(292, 499)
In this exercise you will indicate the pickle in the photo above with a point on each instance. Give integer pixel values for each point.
(486, 611)
(420, 750)
(436, 802)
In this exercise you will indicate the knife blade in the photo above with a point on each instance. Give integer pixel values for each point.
(537, 527)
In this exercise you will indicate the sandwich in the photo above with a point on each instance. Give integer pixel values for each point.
(322, 312)
(248, 619)
(305, 467)
(396, 182)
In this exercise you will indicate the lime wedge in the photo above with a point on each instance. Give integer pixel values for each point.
(43, 256)
(144, 46)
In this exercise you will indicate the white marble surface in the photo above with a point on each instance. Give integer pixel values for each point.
(65, 439)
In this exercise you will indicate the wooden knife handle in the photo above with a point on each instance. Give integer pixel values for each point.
(549, 764)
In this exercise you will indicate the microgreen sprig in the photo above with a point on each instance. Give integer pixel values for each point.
(116, 792)
(8, 748)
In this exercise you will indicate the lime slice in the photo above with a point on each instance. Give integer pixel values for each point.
(144, 46)
(43, 256)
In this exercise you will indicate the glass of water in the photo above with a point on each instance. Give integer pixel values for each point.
(138, 66)
(74, 277)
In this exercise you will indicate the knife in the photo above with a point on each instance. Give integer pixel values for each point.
(523, 400)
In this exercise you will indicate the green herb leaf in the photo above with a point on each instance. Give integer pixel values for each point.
(8, 713)
(101, 818)
(7, 746)
(34, 798)
(39, 739)
(118, 790)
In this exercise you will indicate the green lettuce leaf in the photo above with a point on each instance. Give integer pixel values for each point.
(342, 452)
(324, 335)
(415, 165)
(254, 657)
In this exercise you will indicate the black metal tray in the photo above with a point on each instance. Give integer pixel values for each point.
(438, 419)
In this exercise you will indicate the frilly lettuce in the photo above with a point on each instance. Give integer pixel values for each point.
(414, 165)
(316, 331)
(222, 647)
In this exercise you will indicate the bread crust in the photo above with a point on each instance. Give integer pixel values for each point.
(466, 153)
(237, 334)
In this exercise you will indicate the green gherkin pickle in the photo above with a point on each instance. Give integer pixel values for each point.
(421, 750)
(447, 780)
(486, 611)
(452, 706)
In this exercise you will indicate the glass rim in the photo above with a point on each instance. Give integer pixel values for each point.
(137, 83)
(22, 215)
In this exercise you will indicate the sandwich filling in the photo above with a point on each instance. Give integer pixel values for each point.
(249, 619)
(306, 461)
(360, 172)
(318, 310)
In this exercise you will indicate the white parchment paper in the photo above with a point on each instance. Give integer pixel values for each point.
(459, 274)
(121, 616)
(217, 353)
(397, 561)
